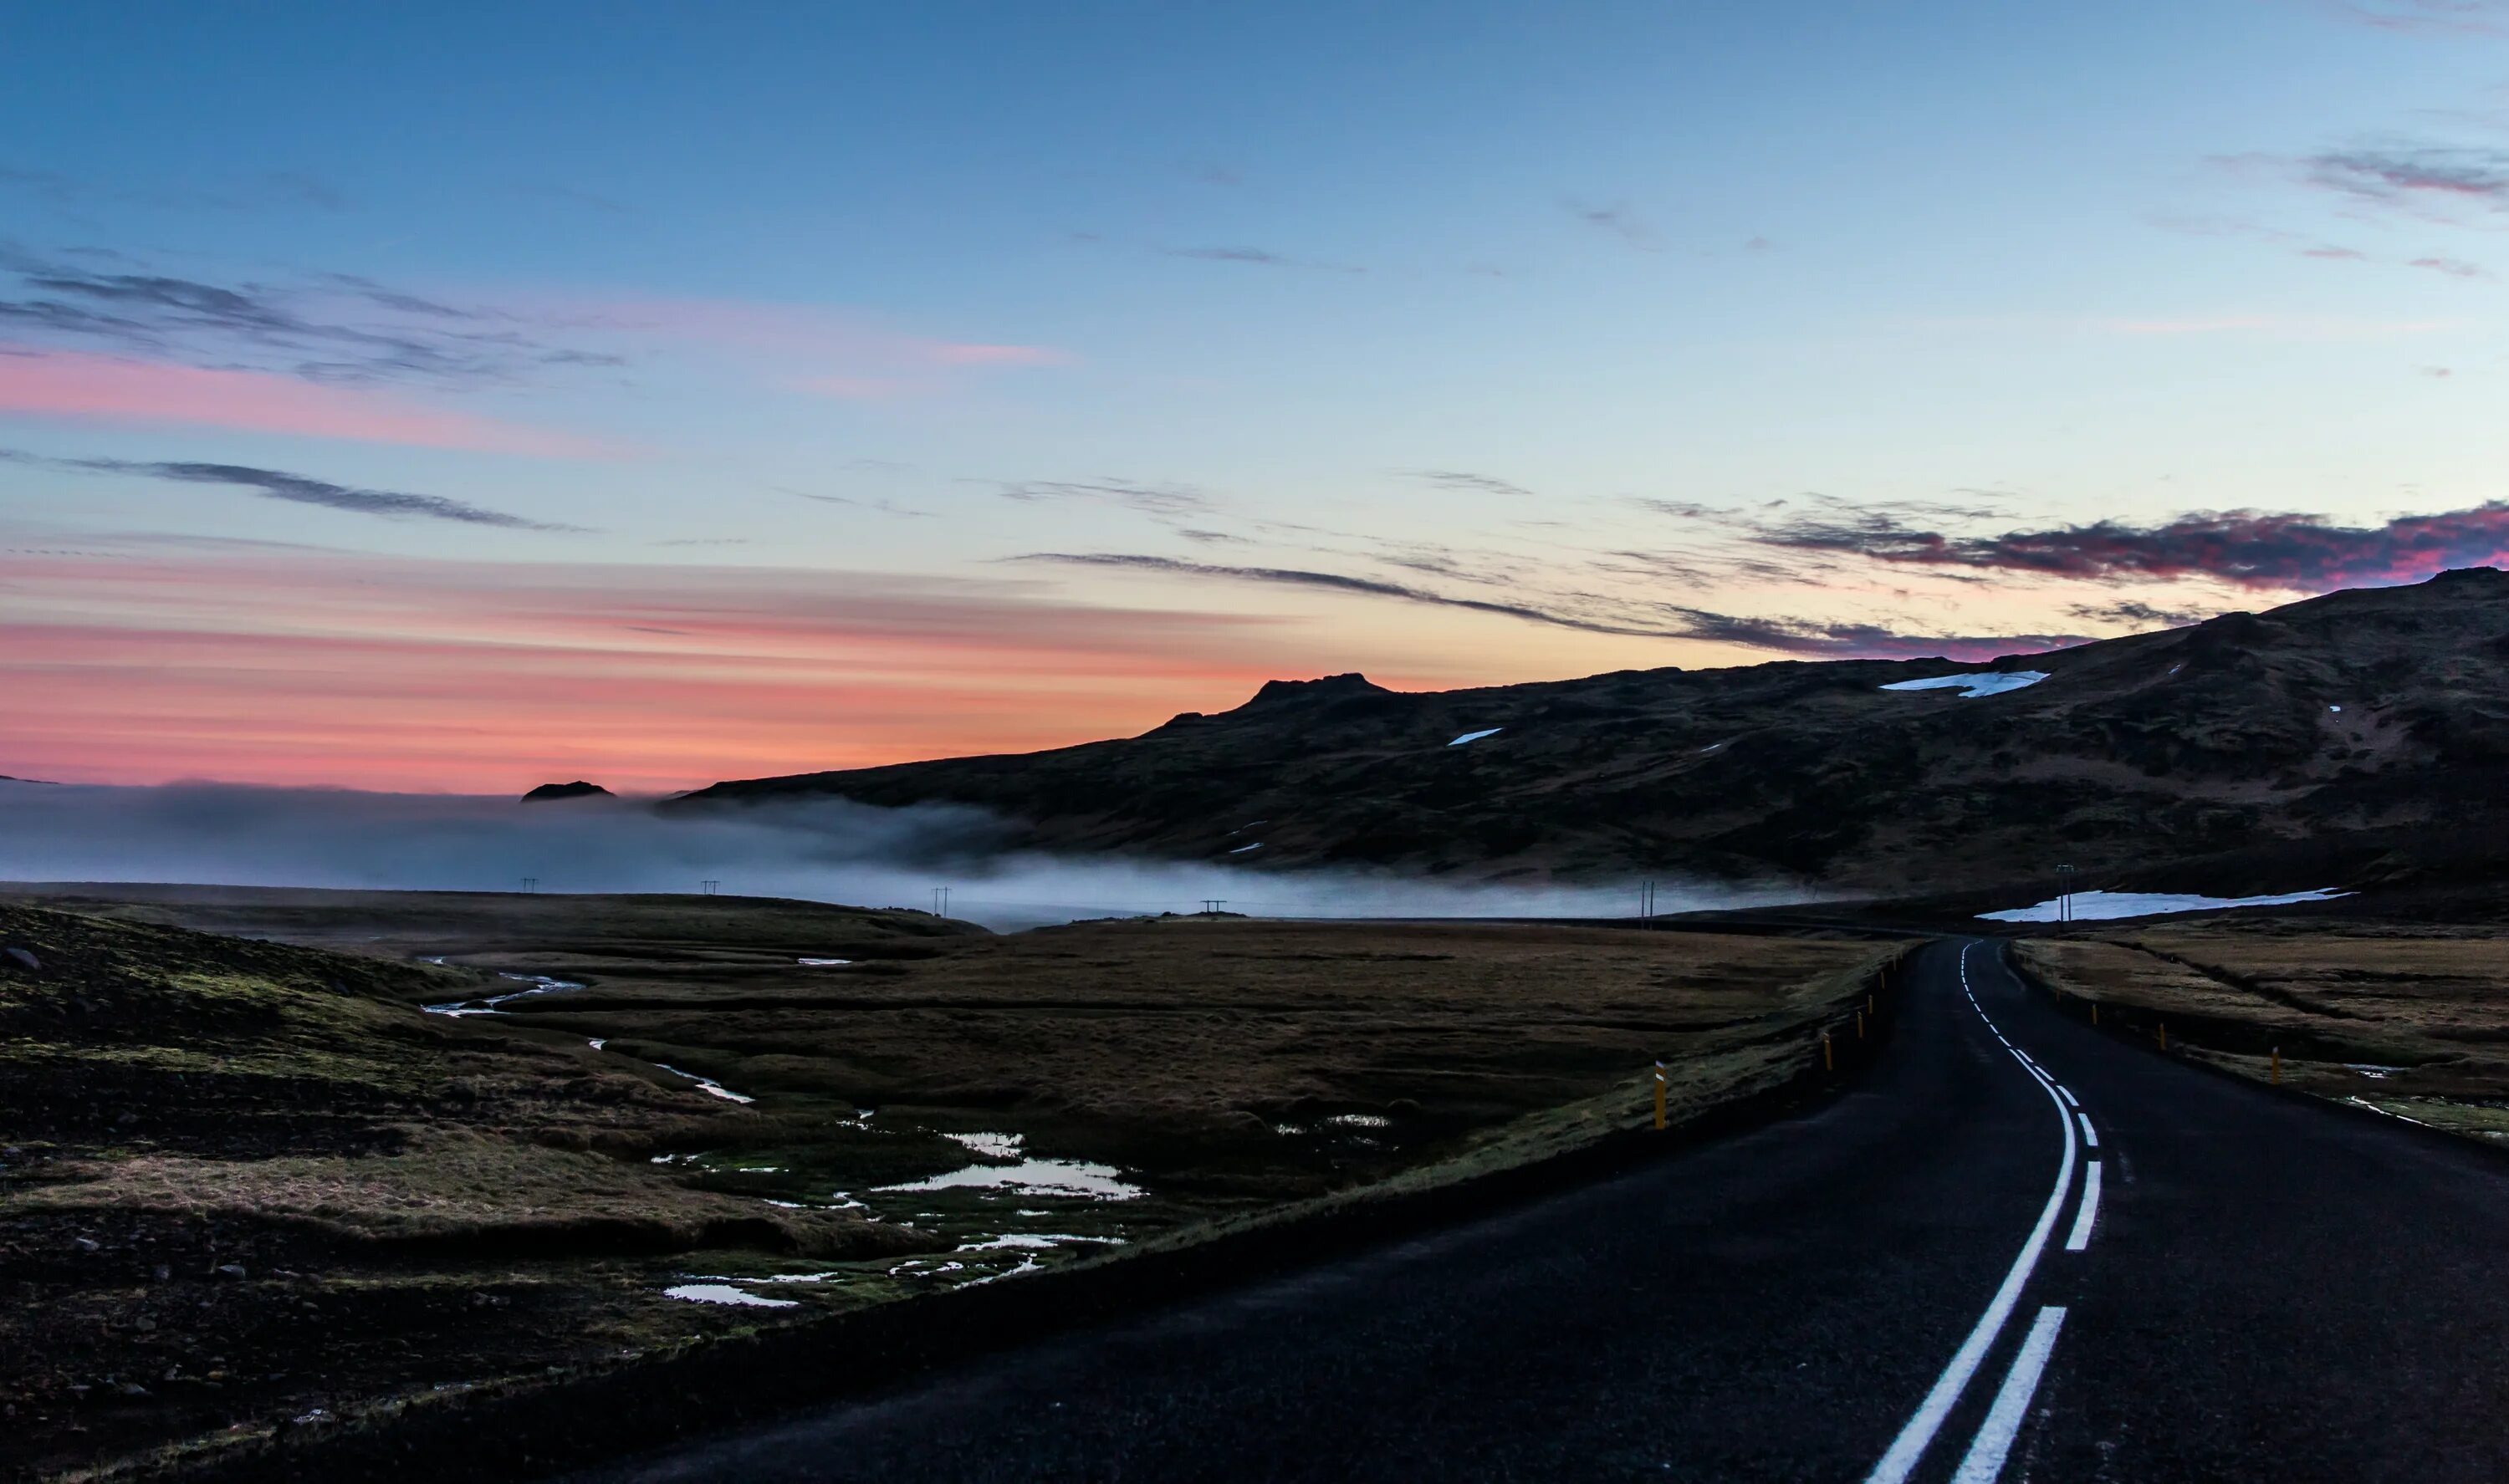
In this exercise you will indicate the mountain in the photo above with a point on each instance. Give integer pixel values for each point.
(576, 789)
(2372, 715)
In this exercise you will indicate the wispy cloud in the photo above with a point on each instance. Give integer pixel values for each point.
(333, 327)
(2488, 17)
(69, 384)
(2455, 268)
(1617, 218)
(1167, 499)
(2248, 548)
(297, 489)
(1257, 257)
(815, 349)
(878, 507)
(2416, 174)
(1289, 576)
(1460, 479)
(247, 193)
(2139, 614)
(1645, 621)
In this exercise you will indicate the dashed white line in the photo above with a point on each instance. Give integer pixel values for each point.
(1986, 1456)
(1919, 1433)
(2090, 1135)
(2090, 1211)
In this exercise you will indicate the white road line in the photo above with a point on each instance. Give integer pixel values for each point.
(1919, 1433)
(2090, 1211)
(2090, 1135)
(2068, 1096)
(1985, 1462)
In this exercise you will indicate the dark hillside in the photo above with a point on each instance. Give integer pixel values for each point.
(2371, 710)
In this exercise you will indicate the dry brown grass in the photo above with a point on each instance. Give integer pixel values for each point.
(460, 1189)
(491, 1196)
(2413, 1021)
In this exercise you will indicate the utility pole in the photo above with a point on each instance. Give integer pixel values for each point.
(709, 884)
(1211, 906)
(939, 902)
(531, 885)
(2064, 894)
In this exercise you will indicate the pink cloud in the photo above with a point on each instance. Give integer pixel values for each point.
(948, 353)
(814, 348)
(71, 384)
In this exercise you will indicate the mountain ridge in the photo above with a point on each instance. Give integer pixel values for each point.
(2371, 709)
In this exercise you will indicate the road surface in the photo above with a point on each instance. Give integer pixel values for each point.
(2016, 1248)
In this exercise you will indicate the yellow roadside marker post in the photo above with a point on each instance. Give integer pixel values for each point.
(2164, 1035)
(1868, 1004)
(2095, 1012)
(2278, 1066)
(1827, 1062)
(1658, 1094)
(1859, 1025)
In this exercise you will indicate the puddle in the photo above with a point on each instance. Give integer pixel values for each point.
(913, 1267)
(2373, 1070)
(1026, 1265)
(1076, 1178)
(1033, 1241)
(597, 1042)
(707, 1085)
(486, 1004)
(823, 963)
(725, 1293)
(1359, 1121)
(999, 1147)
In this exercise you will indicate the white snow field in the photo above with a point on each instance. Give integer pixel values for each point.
(2101, 906)
(1974, 684)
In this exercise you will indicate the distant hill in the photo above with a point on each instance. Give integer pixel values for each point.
(576, 789)
(2375, 715)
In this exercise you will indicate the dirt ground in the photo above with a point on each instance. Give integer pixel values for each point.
(249, 1184)
(2411, 1019)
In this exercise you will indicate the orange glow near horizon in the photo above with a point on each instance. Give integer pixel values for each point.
(271, 668)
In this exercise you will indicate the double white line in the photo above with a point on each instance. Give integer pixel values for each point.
(1987, 1452)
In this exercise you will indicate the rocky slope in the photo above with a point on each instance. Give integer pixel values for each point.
(2377, 714)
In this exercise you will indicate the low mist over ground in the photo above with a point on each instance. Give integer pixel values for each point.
(821, 849)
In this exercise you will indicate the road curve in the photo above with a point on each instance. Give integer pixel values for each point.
(2017, 1249)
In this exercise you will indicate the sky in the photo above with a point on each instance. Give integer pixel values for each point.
(459, 398)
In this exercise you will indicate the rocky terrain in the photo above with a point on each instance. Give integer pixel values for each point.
(2376, 716)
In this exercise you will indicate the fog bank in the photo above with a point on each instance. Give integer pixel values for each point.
(824, 850)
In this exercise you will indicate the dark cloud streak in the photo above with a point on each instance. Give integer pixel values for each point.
(297, 489)
(1654, 621)
(2248, 548)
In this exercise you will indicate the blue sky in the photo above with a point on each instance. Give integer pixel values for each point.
(1461, 343)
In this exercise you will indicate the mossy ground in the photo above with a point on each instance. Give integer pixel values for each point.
(249, 1182)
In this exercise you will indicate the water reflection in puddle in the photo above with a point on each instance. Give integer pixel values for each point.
(1076, 1178)
(725, 1293)
(707, 1085)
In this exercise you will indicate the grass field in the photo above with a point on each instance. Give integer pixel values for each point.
(2412, 1021)
(251, 1181)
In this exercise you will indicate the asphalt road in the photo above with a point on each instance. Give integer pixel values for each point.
(1900, 1284)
